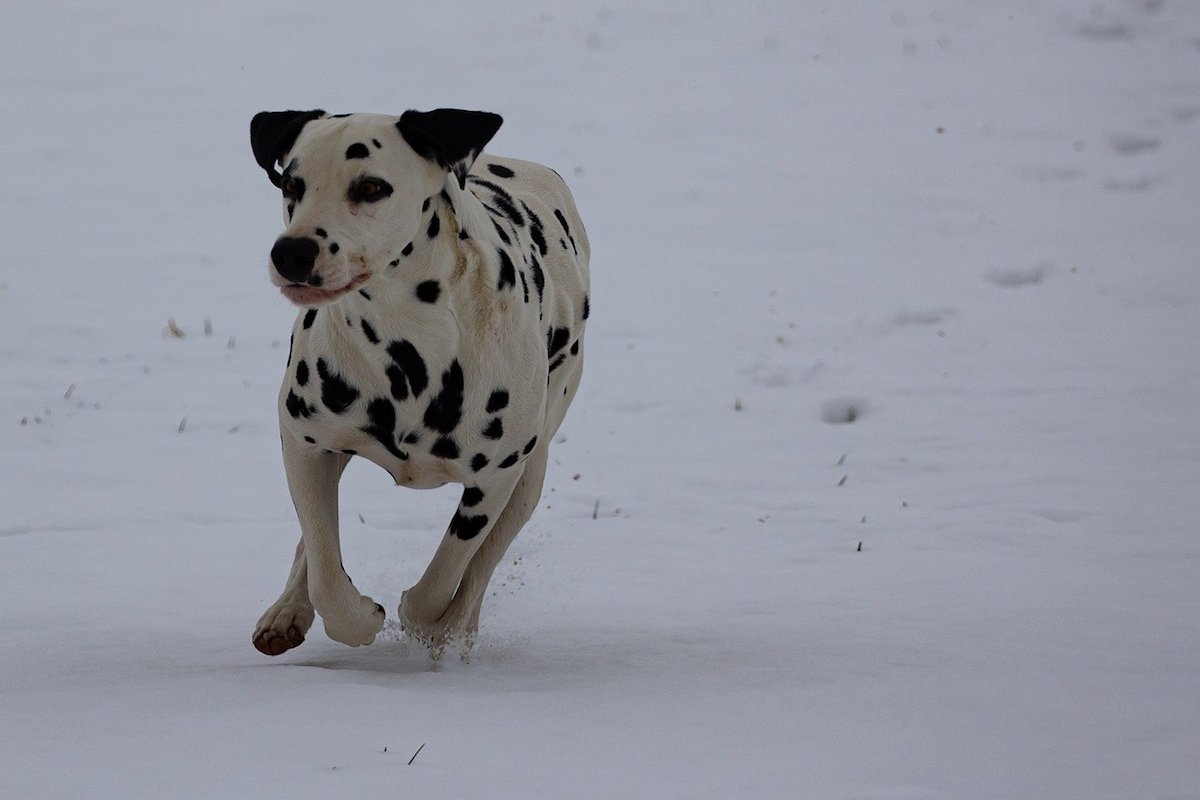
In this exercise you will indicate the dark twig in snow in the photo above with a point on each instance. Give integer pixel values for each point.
(414, 758)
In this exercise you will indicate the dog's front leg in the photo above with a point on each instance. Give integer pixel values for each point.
(313, 476)
(424, 608)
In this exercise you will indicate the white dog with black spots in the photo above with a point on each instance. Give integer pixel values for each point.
(444, 295)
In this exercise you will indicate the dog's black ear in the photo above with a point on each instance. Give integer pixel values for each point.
(272, 134)
(449, 136)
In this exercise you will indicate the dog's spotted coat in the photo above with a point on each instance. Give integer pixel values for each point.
(445, 298)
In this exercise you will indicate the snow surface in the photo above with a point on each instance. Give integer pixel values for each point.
(917, 275)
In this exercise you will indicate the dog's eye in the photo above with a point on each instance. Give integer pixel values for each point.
(369, 190)
(290, 188)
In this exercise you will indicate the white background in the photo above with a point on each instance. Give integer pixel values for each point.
(974, 223)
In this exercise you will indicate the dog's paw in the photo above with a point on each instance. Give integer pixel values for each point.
(357, 627)
(281, 628)
(453, 629)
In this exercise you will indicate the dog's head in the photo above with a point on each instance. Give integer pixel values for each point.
(354, 186)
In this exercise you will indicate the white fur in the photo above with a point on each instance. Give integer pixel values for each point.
(497, 338)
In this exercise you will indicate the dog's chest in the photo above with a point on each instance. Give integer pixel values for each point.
(412, 401)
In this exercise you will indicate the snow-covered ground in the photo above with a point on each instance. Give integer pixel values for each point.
(970, 228)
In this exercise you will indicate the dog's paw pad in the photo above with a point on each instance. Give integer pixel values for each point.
(271, 642)
(281, 628)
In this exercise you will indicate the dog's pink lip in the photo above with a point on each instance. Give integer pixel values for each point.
(303, 295)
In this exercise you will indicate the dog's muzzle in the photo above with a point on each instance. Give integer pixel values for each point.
(294, 258)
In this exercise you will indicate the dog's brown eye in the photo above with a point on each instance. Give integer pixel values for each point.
(369, 190)
(289, 187)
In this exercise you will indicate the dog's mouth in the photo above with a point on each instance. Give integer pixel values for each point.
(304, 295)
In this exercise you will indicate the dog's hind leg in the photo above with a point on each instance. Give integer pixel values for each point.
(313, 476)
(283, 625)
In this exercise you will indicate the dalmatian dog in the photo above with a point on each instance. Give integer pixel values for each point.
(443, 295)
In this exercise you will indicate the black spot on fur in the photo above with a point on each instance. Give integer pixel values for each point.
(556, 339)
(321, 233)
(466, 528)
(357, 150)
(425, 205)
(495, 429)
(428, 291)
(478, 462)
(407, 251)
(412, 438)
(462, 234)
(497, 401)
(500, 171)
(472, 496)
(445, 409)
(350, 452)
(503, 234)
(291, 211)
(378, 146)
(536, 231)
(366, 295)
(408, 374)
(296, 406)
(566, 229)
(369, 332)
(310, 440)
(575, 347)
(508, 462)
(395, 263)
(524, 285)
(336, 394)
(302, 373)
(291, 347)
(435, 225)
(309, 316)
(557, 362)
(333, 248)
(398, 381)
(539, 277)
(381, 424)
(508, 275)
(532, 443)
(502, 199)
(444, 447)
(506, 205)
(587, 307)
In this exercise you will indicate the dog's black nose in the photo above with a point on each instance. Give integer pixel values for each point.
(294, 258)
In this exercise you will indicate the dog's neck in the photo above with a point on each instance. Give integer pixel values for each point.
(412, 292)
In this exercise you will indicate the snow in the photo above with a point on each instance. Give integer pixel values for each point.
(970, 227)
